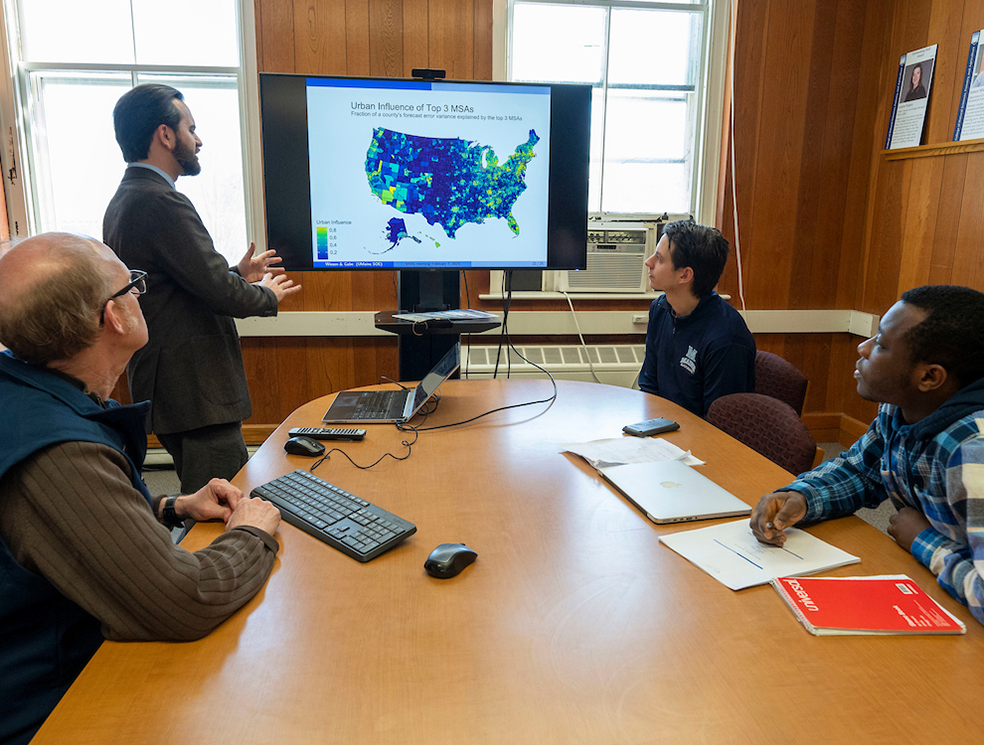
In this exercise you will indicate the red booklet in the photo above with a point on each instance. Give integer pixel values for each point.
(883, 604)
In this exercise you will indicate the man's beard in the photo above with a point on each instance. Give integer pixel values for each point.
(187, 160)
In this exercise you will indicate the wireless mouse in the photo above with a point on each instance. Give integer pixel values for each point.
(448, 559)
(304, 446)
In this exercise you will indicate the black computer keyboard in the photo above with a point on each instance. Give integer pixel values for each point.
(340, 519)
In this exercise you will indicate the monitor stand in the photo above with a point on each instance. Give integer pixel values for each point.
(421, 291)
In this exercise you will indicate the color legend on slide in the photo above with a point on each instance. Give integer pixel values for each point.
(322, 234)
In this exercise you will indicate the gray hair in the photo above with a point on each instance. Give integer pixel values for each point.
(60, 314)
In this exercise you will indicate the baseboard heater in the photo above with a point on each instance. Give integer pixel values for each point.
(614, 364)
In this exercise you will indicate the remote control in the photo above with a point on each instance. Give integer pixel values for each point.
(328, 433)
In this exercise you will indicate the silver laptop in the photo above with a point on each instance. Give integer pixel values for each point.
(386, 407)
(672, 492)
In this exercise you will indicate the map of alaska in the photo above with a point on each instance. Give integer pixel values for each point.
(449, 181)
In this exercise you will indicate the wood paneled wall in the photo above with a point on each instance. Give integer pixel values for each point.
(826, 221)
(807, 89)
(926, 215)
(924, 219)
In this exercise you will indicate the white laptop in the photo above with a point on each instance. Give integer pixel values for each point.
(387, 407)
(672, 492)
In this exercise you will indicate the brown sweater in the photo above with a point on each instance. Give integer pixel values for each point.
(70, 514)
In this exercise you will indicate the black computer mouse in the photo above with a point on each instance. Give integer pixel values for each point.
(304, 446)
(448, 559)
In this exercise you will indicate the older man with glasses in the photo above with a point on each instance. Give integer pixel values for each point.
(85, 550)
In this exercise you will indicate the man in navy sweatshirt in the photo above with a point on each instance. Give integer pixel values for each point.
(698, 347)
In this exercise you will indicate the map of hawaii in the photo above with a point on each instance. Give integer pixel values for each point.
(448, 181)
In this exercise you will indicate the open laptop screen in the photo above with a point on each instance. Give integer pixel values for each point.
(438, 374)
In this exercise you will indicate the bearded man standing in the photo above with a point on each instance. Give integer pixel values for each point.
(192, 368)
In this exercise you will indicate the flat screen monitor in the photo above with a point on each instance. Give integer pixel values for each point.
(370, 173)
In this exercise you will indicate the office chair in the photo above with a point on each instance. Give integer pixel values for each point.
(780, 379)
(768, 426)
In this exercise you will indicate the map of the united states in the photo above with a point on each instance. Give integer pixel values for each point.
(448, 181)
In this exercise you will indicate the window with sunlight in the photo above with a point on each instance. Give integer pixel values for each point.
(77, 58)
(645, 62)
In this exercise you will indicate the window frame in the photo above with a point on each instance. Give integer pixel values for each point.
(710, 110)
(17, 117)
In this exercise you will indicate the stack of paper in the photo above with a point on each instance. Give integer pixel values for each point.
(462, 314)
(617, 451)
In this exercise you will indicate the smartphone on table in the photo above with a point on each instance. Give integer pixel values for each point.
(650, 427)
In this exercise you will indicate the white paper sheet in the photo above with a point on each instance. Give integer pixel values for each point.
(618, 451)
(731, 554)
(462, 314)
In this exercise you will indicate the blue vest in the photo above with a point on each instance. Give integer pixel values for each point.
(46, 639)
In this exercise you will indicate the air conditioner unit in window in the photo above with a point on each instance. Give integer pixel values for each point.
(616, 256)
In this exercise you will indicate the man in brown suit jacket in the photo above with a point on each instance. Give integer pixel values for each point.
(192, 367)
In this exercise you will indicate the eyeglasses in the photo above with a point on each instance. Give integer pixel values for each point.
(137, 285)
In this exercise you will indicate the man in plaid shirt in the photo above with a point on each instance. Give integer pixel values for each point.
(925, 449)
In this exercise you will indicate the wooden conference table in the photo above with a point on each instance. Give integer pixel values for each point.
(574, 626)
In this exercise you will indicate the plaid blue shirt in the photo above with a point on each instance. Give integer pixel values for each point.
(940, 474)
